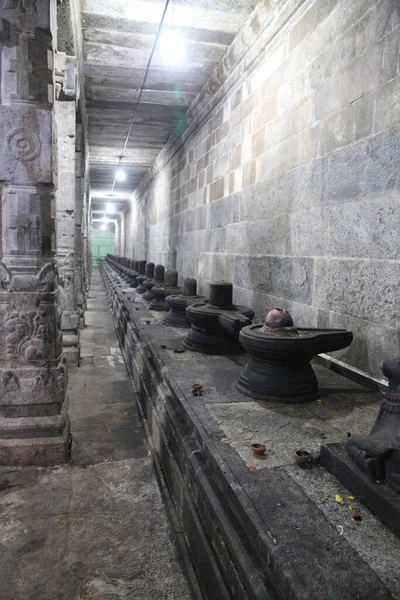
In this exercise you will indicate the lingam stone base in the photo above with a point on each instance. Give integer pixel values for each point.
(215, 325)
(177, 304)
(168, 288)
(279, 369)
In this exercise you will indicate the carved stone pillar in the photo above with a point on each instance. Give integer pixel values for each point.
(65, 205)
(34, 426)
(79, 193)
(88, 238)
(65, 115)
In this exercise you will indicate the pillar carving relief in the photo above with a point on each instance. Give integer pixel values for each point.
(65, 112)
(79, 194)
(34, 426)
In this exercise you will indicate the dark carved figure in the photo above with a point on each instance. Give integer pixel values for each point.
(378, 454)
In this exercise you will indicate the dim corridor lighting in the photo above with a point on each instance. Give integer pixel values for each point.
(172, 47)
(104, 227)
(120, 175)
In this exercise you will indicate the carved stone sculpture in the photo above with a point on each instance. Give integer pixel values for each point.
(378, 454)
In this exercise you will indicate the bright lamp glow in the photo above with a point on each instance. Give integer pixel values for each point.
(110, 208)
(120, 175)
(104, 219)
(173, 46)
(104, 227)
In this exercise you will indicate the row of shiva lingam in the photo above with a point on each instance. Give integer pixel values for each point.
(279, 367)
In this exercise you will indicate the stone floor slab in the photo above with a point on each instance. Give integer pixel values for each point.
(96, 528)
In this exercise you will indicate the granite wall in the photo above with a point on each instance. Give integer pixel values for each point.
(287, 179)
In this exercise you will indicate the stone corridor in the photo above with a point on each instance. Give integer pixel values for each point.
(199, 299)
(95, 528)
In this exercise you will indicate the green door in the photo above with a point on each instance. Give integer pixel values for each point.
(103, 243)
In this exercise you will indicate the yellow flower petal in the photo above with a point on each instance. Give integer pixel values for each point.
(339, 499)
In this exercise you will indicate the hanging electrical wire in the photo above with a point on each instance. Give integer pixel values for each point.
(140, 94)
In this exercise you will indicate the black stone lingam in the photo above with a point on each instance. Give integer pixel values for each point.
(169, 287)
(148, 274)
(126, 271)
(138, 269)
(158, 279)
(177, 304)
(378, 454)
(215, 325)
(279, 369)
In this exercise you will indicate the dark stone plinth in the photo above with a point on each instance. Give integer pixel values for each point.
(148, 274)
(168, 288)
(379, 498)
(158, 279)
(279, 369)
(215, 325)
(177, 304)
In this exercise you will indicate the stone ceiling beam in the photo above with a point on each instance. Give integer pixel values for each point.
(117, 41)
(91, 22)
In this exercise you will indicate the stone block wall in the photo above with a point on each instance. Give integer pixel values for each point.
(287, 180)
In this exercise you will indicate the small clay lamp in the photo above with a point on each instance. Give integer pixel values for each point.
(215, 325)
(158, 279)
(279, 369)
(148, 274)
(302, 457)
(258, 449)
(169, 287)
(177, 304)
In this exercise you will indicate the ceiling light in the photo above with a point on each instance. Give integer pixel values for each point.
(120, 175)
(172, 47)
(104, 219)
(110, 208)
(104, 227)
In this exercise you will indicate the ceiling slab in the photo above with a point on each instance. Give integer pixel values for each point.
(118, 36)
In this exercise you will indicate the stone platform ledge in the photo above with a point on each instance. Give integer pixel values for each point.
(255, 529)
